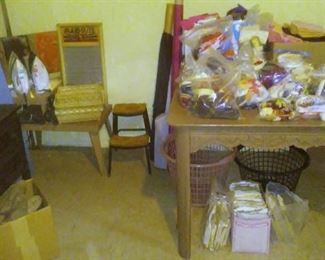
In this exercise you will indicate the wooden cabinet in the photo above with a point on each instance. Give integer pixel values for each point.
(13, 163)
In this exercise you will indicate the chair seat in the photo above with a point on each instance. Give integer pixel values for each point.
(129, 109)
(129, 141)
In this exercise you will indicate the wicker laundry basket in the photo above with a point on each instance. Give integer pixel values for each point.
(283, 165)
(207, 163)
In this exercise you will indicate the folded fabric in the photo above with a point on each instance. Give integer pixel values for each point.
(306, 30)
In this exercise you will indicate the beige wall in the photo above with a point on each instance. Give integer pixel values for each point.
(132, 30)
(2, 25)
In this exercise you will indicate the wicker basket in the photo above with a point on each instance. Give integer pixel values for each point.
(79, 96)
(79, 103)
(206, 164)
(279, 165)
(73, 115)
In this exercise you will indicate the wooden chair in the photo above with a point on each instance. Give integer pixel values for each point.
(129, 142)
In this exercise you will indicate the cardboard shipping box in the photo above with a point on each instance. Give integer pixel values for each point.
(32, 236)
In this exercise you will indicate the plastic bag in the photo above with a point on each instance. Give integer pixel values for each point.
(271, 74)
(192, 70)
(310, 106)
(250, 92)
(290, 60)
(247, 199)
(252, 16)
(246, 53)
(215, 34)
(217, 227)
(276, 110)
(321, 89)
(288, 89)
(320, 72)
(218, 65)
(216, 105)
(302, 73)
(288, 211)
(209, 91)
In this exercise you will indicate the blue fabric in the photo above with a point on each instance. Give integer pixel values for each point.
(5, 96)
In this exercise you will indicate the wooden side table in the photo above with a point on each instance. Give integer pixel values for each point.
(193, 133)
(91, 127)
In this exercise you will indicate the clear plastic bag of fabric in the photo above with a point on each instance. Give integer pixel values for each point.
(303, 73)
(289, 211)
(215, 34)
(277, 109)
(246, 53)
(250, 91)
(311, 106)
(209, 91)
(246, 199)
(288, 89)
(320, 72)
(218, 223)
(271, 74)
(317, 85)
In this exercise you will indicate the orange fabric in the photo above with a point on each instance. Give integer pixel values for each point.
(47, 50)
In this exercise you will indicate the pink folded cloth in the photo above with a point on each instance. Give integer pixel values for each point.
(189, 23)
(277, 35)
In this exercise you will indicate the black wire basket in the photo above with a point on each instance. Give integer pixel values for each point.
(283, 165)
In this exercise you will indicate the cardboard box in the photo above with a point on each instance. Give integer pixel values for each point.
(251, 235)
(32, 236)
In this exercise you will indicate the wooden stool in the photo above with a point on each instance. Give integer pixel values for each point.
(129, 142)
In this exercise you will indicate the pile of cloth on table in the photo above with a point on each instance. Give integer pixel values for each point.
(226, 69)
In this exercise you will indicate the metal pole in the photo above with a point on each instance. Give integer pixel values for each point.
(6, 17)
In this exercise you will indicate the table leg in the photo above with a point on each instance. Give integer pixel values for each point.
(108, 127)
(94, 137)
(38, 139)
(31, 139)
(183, 192)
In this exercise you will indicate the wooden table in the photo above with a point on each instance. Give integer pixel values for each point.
(91, 127)
(193, 133)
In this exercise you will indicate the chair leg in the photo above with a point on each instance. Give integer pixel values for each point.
(109, 161)
(148, 158)
(115, 124)
(146, 122)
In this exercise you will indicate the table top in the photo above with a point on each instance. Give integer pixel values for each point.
(89, 126)
(248, 130)
(180, 117)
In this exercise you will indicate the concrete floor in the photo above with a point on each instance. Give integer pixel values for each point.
(132, 215)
